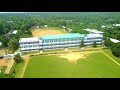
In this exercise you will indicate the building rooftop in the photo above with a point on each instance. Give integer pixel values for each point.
(60, 36)
(93, 31)
(114, 40)
(116, 24)
(14, 32)
(103, 26)
(29, 39)
(93, 35)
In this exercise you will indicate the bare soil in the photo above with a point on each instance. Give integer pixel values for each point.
(40, 32)
(4, 62)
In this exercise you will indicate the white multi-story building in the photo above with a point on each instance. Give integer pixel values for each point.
(94, 31)
(58, 41)
(90, 38)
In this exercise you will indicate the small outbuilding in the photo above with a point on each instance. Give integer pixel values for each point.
(114, 40)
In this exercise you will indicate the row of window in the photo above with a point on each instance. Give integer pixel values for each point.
(61, 46)
(95, 38)
(48, 46)
(60, 40)
(28, 46)
(92, 40)
(29, 42)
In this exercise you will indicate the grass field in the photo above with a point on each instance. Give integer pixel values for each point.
(95, 65)
(17, 70)
(47, 31)
(108, 51)
(2, 68)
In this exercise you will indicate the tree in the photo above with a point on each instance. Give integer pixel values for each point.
(82, 43)
(3, 75)
(94, 44)
(4, 41)
(13, 44)
(18, 58)
(115, 48)
(108, 42)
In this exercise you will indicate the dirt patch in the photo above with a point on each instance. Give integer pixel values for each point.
(72, 57)
(39, 32)
(4, 62)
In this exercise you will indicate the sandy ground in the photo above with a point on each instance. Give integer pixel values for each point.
(39, 32)
(72, 56)
(4, 62)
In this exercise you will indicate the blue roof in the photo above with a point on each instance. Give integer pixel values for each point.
(61, 36)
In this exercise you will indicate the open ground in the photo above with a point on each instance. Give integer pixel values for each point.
(47, 31)
(4, 62)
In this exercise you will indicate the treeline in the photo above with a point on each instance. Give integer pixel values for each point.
(115, 47)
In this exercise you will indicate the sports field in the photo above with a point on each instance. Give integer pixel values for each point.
(84, 65)
(47, 31)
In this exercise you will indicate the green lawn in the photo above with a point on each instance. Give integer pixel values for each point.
(108, 51)
(97, 65)
(17, 70)
(2, 68)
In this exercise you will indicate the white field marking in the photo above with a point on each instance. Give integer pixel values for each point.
(110, 58)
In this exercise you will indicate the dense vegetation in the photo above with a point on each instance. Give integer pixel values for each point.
(18, 58)
(3, 75)
(77, 21)
(115, 47)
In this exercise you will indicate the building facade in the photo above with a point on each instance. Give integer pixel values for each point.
(58, 41)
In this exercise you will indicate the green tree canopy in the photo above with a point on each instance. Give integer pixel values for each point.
(94, 44)
(18, 58)
(13, 44)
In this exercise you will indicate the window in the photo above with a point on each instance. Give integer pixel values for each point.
(53, 40)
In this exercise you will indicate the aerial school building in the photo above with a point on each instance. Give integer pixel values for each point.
(58, 41)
